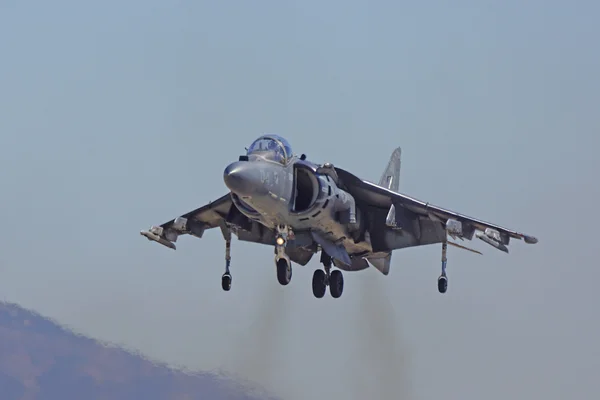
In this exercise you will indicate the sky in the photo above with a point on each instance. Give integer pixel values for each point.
(118, 115)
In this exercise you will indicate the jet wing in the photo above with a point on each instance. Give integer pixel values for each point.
(457, 225)
(193, 223)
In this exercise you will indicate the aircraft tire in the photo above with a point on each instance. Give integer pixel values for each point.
(284, 271)
(442, 284)
(336, 284)
(226, 282)
(318, 283)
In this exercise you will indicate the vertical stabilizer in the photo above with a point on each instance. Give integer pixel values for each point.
(390, 179)
(391, 176)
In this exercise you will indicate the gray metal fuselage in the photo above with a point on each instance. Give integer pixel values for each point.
(303, 208)
(295, 195)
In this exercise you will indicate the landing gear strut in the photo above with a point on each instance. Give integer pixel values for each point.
(226, 278)
(323, 278)
(443, 279)
(283, 263)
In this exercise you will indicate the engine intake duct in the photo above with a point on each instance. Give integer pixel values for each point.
(306, 190)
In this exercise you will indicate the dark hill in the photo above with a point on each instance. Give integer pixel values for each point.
(41, 360)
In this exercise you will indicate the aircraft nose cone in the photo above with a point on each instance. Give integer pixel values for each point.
(241, 178)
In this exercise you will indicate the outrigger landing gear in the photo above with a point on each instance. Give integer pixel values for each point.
(443, 279)
(323, 278)
(226, 278)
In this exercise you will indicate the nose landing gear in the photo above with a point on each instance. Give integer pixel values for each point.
(283, 263)
(284, 271)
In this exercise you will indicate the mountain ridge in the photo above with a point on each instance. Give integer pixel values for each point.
(40, 359)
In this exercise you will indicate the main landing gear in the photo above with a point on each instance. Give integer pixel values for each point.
(323, 278)
(443, 279)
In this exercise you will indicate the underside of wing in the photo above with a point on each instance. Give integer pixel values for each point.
(398, 205)
(205, 217)
(220, 213)
(192, 223)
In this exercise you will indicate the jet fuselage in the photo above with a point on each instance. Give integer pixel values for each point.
(297, 195)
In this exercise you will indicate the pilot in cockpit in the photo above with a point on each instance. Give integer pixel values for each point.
(271, 148)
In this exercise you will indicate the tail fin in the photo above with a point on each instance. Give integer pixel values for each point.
(391, 176)
(390, 179)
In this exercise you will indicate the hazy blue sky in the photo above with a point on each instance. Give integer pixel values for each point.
(118, 115)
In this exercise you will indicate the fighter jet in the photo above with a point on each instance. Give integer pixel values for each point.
(302, 208)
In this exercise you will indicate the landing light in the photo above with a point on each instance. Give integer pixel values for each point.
(280, 241)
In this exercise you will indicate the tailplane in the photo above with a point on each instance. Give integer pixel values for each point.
(382, 264)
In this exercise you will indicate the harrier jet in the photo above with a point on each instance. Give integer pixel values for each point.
(302, 208)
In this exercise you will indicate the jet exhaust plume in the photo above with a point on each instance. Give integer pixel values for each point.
(380, 345)
(259, 345)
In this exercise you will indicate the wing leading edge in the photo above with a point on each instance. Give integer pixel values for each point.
(193, 223)
(378, 196)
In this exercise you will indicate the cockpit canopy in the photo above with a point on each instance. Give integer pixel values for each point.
(271, 147)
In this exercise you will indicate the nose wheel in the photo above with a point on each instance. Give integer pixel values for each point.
(283, 264)
(284, 271)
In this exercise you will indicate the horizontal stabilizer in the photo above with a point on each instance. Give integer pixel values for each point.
(382, 263)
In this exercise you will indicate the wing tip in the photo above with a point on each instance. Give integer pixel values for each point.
(530, 239)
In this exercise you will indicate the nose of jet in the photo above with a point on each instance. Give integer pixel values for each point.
(242, 178)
